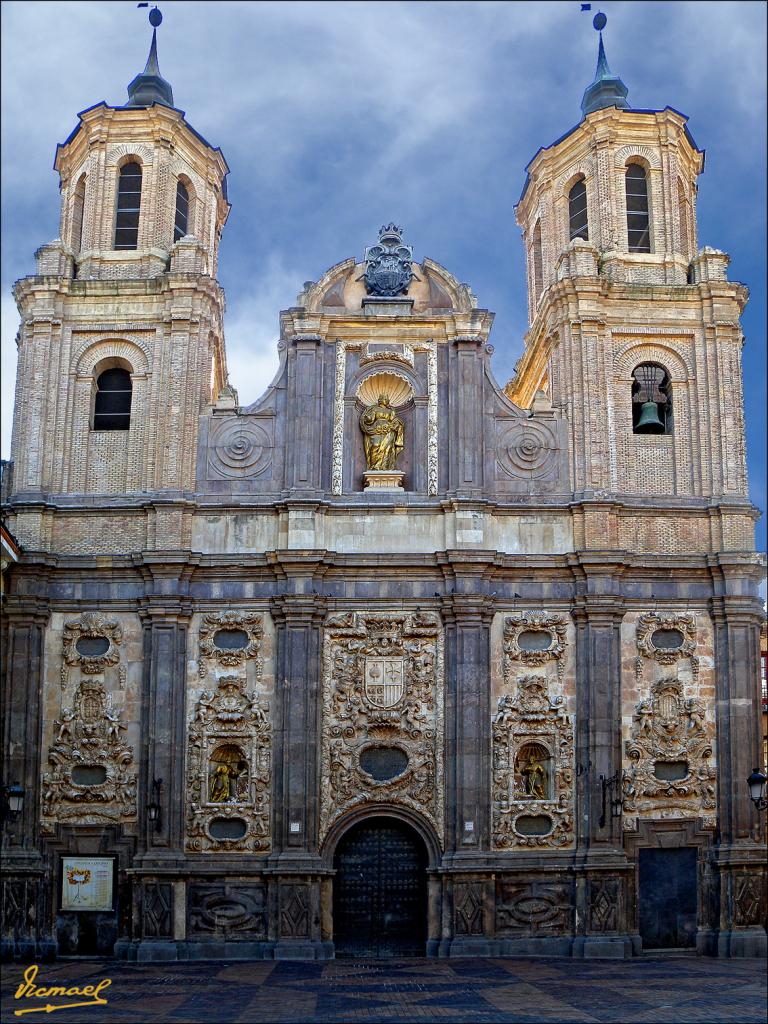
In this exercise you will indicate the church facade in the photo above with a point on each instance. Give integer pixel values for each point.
(396, 660)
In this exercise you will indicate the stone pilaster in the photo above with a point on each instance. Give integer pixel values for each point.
(298, 618)
(467, 723)
(741, 853)
(25, 891)
(165, 615)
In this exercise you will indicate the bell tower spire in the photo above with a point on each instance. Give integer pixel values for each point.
(607, 89)
(150, 87)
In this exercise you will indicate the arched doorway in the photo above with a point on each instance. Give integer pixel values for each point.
(380, 891)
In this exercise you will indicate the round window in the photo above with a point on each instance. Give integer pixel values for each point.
(667, 639)
(230, 639)
(383, 763)
(534, 640)
(91, 646)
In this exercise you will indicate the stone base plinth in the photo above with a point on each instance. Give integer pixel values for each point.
(383, 480)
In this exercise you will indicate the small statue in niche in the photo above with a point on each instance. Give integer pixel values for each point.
(229, 775)
(384, 435)
(532, 768)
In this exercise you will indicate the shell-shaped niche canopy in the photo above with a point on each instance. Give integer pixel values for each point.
(395, 387)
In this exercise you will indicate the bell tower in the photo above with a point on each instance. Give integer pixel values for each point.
(634, 329)
(121, 338)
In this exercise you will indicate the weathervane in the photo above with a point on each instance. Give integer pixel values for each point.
(155, 17)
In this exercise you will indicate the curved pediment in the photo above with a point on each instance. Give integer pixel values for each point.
(342, 289)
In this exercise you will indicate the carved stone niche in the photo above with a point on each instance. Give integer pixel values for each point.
(532, 768)
(666, 639)
(229, 770)
(229, 640)
(670, 772)
(533, 639)
(90, 779)
(92, 644)
(382, 713)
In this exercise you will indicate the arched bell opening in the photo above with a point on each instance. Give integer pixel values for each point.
(651, 400)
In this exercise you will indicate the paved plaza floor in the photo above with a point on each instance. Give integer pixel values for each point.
(672, 990)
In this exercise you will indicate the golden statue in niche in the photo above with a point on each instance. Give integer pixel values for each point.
(383, 432)
(532, 762)
(228, 775)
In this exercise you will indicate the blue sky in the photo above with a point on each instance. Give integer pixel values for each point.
(337, 117)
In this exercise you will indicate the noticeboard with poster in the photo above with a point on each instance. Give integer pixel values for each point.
(87, 883)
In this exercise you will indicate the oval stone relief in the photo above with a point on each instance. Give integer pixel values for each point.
(534, 640)
(383, 763)
(534, 825)
(92, 646)
(89, 774)
(667, 639)
(230, 639)
(227, 828)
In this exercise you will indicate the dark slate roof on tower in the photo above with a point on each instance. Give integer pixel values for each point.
(607, 89)
(150, 87)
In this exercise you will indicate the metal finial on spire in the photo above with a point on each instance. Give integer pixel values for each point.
(150, 87)
(607, 89)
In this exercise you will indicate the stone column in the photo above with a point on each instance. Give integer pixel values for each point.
(26, 890)
(467, 621)
(741, 851)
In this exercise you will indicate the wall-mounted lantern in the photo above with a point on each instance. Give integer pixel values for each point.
(13, 801)
(154, 813)
(756, 783)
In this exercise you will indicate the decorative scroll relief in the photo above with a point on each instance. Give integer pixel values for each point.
(532, 768)
(382, 713)
(534, 639)
(92, 644)
(90, 779)
(229, 753)
(666, 638)
(671, 769)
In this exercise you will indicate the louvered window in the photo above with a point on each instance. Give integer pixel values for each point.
(638, 221)
(182, 212)
(577, 211)
(128, 206)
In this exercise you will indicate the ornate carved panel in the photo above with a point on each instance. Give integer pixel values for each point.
(604, 904)
(229, 770)
(748, 892)
(294, 910)
(382, 713)
(218, 635)
(229, 912)
(670, 752)
(468, 908)
(548, 646)
(90, 777)
(92, 644)
(532, 908)
(532, 768)
(656, 640)
(157, 910)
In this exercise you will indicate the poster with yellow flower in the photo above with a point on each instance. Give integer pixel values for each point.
(86, 883)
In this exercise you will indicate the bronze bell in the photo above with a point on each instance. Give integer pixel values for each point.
(649, 422)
